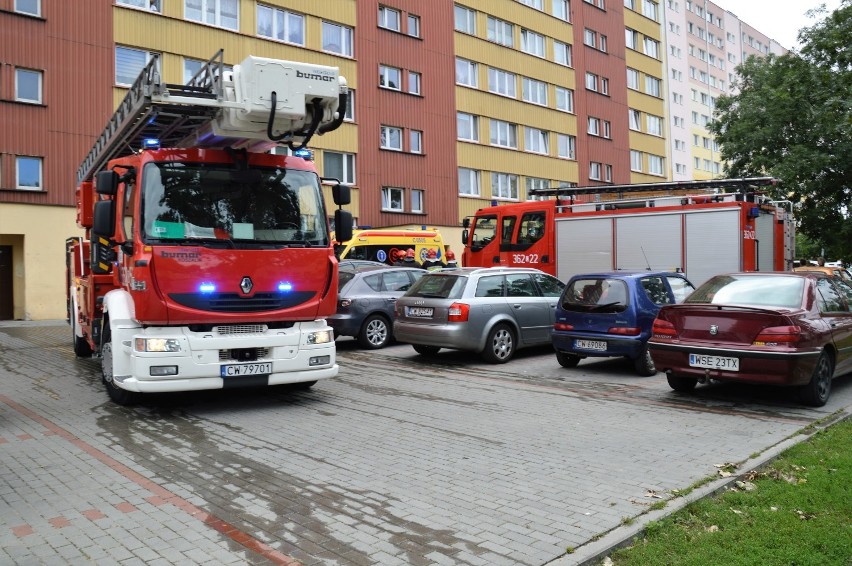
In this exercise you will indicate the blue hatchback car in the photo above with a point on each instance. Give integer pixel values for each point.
(611, 314)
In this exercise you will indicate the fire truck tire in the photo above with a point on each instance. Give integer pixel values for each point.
(500, 345)
(681, 383)
(567, 360)
(425, 350)
(116, 394)
(81, 346)
(375, 332)
(644, 364)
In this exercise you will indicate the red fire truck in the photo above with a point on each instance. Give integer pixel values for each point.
(208, 264)
(701, 228)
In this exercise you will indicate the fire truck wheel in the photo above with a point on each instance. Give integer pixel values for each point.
(644, 364)
(116, 394)
(81, 346)
(681, 383)
(567, 360)
(375, 332)
(425, 350)
(500, 345)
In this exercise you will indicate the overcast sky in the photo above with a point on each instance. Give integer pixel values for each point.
(779, 19)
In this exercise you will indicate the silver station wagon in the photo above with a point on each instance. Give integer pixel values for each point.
(493, 311)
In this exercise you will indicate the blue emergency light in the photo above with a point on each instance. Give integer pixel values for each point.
(304, 153)
(207, 287)
(151, 143)
(285, 287)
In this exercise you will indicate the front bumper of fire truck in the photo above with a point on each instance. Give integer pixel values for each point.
(171, 359)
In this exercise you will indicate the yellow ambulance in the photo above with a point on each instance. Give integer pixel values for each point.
(389, 245)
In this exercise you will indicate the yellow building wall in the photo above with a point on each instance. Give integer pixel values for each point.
(37, 235)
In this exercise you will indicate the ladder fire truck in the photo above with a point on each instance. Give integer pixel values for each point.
(206, 261)
(701, 228)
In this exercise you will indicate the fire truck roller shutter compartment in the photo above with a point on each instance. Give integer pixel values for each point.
(764, 228)
(583, 245)
(650, 241)
(713, 244)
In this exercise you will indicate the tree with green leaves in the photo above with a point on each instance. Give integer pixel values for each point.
(792, 119)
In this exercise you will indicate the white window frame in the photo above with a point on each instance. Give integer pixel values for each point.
(190, 67)
(465, 20)
(501, 32)
(390, 18)
(467, 127)
(654, 124)
(503, 134)
(39, 186)
(504, 186)
(532, 43)
(347, 166)
(473, 182)
(344, 38)
(591, 82)
(414, 83)
(565, 99)
(388, 136)
(590, 37)
(566, 146)
(651, 48)
(593, 126)
(469, 69)
(205, 7)
(653, 86)
(656, 164)
(22, 8)
(534, 183)
(136, 71)
(349, 114)
(651, 10)
(281, 25)
(387, 75)
(561, 11)
(632, 79)
(563, 53)
(634, 119)
(413, 26)
(535, 4)
(141, 4)
(415, 141)
(636, 160)
(534, 91)
(388, 200)
(418, 198)
(24, 97)
(536, 140)
(595, 171)
(502, 82)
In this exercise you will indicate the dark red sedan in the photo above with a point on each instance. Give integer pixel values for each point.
(778, 328)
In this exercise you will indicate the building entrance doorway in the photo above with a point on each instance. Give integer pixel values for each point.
(6, 295)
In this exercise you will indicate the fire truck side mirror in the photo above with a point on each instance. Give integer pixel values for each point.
(106, 183)
(342, 225)
(104, 218)
(466, 223)
(464, 236)
(342, 195)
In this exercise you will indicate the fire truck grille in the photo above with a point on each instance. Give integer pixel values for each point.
(243, 354)
(232, 302)
(240, 329)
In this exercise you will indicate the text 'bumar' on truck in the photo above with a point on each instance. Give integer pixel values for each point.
(207, 261)
(702, 228)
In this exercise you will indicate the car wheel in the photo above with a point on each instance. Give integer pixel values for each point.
(567, 360)
(425, 350)
(817, 391)
(680, 383)
(644, 364)
(116, 393)
(500, 345)
(375, 332)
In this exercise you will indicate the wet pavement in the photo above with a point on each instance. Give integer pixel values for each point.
(400, 460)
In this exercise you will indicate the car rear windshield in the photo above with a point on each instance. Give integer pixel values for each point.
(344, 277)
(598, 294)
(438, 287)
(769, 291)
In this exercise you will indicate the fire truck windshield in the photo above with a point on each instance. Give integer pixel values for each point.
(249, 207)
(484, 232)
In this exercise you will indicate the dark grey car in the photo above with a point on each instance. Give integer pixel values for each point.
(493, 311)
(365, 301)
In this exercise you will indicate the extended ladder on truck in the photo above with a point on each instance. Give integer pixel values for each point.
(257, 105)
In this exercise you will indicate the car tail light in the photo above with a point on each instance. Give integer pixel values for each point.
(625, 330)
(663, 329)
(775, 335)
(458, 312)
(563, 326)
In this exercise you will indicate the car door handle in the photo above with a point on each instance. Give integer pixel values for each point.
(517, 306)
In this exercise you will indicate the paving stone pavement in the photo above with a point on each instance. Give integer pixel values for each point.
(399, 460)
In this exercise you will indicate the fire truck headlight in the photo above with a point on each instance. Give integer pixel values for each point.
(321, 337)
(157, 345)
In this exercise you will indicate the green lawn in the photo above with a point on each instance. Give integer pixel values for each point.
(797, 511)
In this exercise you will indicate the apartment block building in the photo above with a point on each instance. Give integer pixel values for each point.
(453, 106)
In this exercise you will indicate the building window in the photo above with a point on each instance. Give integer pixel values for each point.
(595, 169)
(389, 18)
(635, 119)
(560, 9)
(562, 53)
(566, 146)
(339, 166)
(390, 77)
(607, 129)
(502, 82)
(655, 125)
(631, 37)
(414, 82)
(534, 91)
(504, 186)
(631, 4)
(653, 86)
(28, 173)
(536, 141)
(28, 86)
(604, 85)
(594, 126)
(504, 134)
(534, 184)
(282, 25)
(468, 182)
(500, 32)
(465, 20)
(219, 13)
(391, 138)
(413, 26)
(591, 81)
(417, 200)
(190, 67)
(655, 165)
(392, 199)
(652, 48)
(633, 79)
(31, 7)
(468, 126)
(536, 4)
(608, 173)
(565, 99)
(350, 106)
(466, 73)
(590, 38)
(532, 43)
(416, 140)
(152, 5)
(129, 63)
(635, 160)
(337, 39)
(649, 9)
